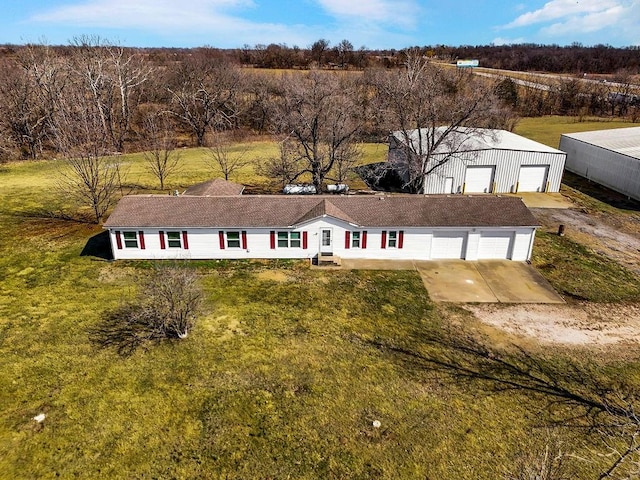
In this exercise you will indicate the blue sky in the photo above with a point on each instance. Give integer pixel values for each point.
(370, 23)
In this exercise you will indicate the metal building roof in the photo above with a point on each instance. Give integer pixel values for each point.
(621, 140)
(482, 139)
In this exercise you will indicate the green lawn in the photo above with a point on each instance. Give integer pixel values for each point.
(548, 130)
(282, 377)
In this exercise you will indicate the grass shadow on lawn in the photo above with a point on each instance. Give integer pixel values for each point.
(599, 192)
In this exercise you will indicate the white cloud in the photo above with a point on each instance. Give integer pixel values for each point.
(558, 9)
(586, 24)
(215, 21)
(401, 12)
(507, 41)
(589, 21)
(143, 13)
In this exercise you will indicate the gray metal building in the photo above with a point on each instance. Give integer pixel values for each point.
(497, 161)
(608, 157)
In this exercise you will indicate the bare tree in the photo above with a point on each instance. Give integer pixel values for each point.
(160, 154)
(284, 168)
(90, 175)
(110, 74)
(166, 307)
(175, 296)
(205, 97)
(29, 90)
(319, 115)
(318, 50)
(437, 113)
(223, 160)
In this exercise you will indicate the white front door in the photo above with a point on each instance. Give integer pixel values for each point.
(326, 241)
(448, 185)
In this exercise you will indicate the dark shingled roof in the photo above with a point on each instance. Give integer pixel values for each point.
(214, 187)
(284, 211)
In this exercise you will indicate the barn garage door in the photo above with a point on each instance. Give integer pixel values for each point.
(448, 245)
(478, 179)
(532, 178)
(495, 245)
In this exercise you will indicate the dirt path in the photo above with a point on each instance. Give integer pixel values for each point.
(585, 324)
(576, 324)
(598, 233)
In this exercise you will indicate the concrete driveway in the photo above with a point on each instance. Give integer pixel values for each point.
(484, 281)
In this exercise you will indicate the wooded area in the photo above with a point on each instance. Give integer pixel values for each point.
(124, 99)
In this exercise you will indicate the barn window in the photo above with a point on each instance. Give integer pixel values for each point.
(130, 239)
(174, 240)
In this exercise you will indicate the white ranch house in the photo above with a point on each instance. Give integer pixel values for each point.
(487, 161)
(306, 227)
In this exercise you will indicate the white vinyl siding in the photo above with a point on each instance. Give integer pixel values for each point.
(424, 243)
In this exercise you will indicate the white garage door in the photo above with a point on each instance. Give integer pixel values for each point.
(532, 178)
(448, 245)
(495, 245)
(478, 179)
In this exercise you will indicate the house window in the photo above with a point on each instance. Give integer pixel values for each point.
(289, 240)
(173, 240)
(355, 240)
(392, 239)
(233, 239)
(130, 239)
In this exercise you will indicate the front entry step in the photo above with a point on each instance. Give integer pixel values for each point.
(329, 261)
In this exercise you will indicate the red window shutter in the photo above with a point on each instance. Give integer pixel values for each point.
(305, 240)
(141, 237)
(162, 244)
(363, 241)
(272, 239)
(244, 240)
(119, 240)
(383, 244)
(185, 241)
(347, 239)
(221, 238)
(400, 238)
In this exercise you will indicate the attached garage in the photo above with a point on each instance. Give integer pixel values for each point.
(532, 178)
(448, 245)
(495, 245)
(479, 179)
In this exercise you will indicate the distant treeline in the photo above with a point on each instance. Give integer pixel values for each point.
(573, 59)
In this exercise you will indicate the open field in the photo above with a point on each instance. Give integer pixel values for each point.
(282, 377)
(547, 130)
